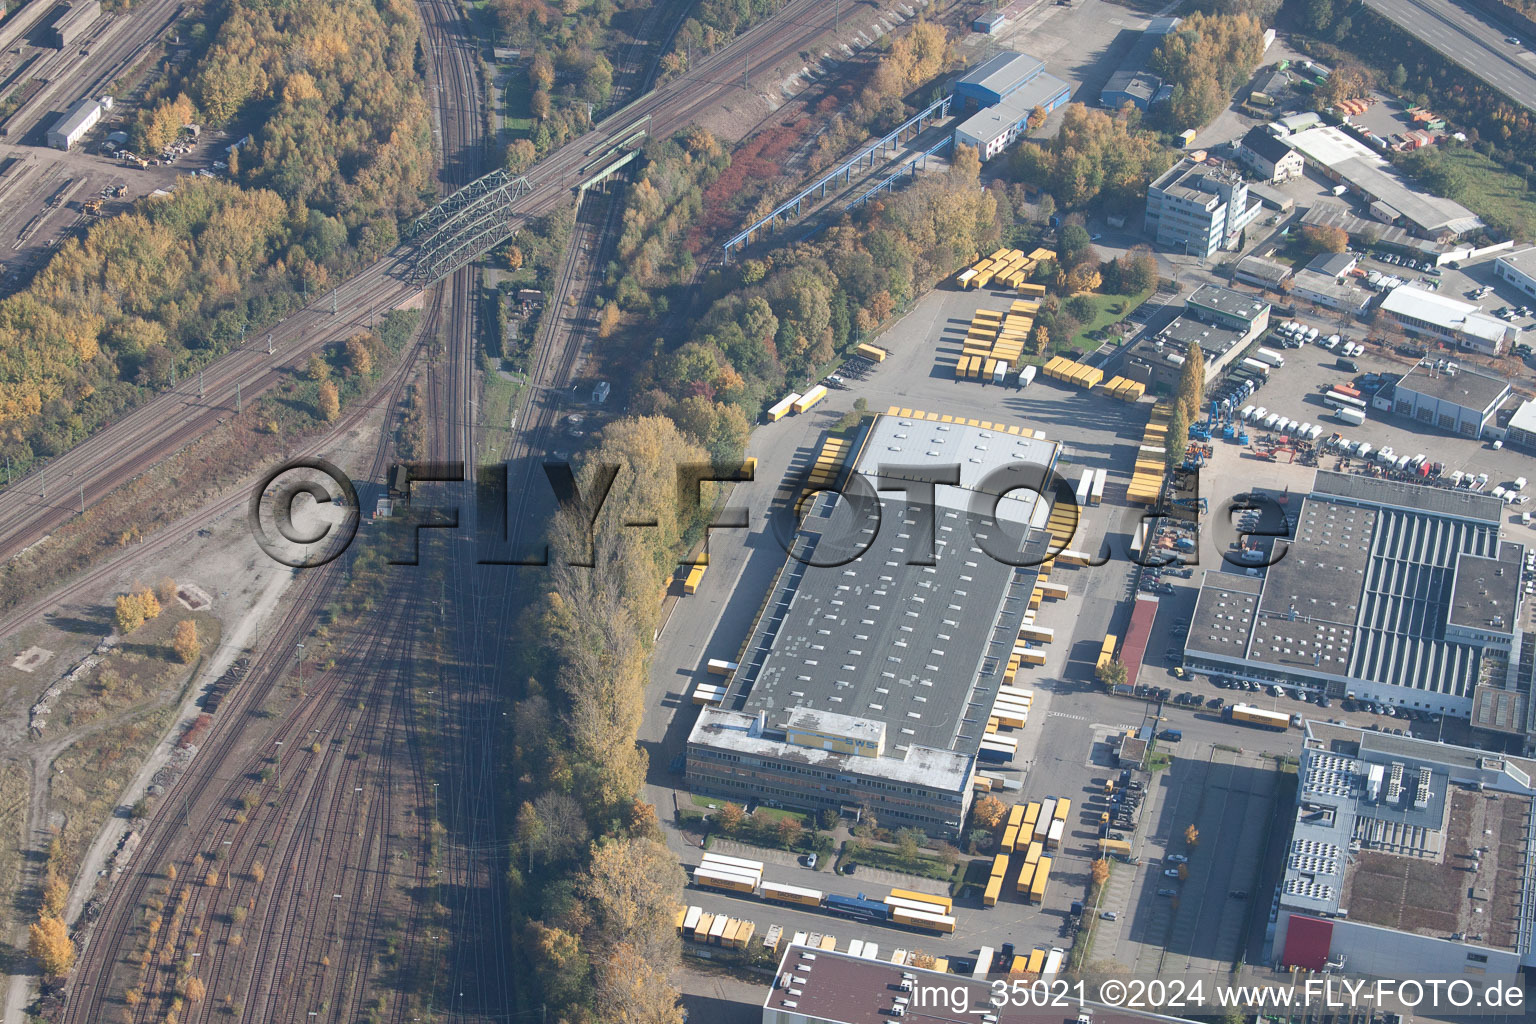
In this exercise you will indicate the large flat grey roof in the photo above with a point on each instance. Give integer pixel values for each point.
(1213, 340)
(1226, 301)
(920, 647)
(1441, 501)
(1224, 611)
(1466, 388)
(1486, 591)
(1364, 592)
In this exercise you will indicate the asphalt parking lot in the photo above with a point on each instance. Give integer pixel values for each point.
(1199, 921)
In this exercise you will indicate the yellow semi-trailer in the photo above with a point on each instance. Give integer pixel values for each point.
(781, 408)
(1063, 809)
(1107, 650)
(898, 903)
(1115, 847)
(1042, 876)
(701, 930)
(1026, 878)
(1016, 812)
(874, 352)
(744, 934)
(1031, 815)
(993, 890)
(965, 278)
(942, 923)
(690, 920)
(729, 881)
(1034, 850)
(695, 577)
(923, 897)
(810, 398)
(779, 893)
(1000, 864)
(1036, 962)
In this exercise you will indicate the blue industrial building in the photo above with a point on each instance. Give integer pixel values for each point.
(995, 80)
(996, 99)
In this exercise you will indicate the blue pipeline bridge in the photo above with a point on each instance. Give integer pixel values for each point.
(867, 158)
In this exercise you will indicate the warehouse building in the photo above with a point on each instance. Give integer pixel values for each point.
(866, 685)
(1199, 208)
(77, 120)
(1223, 307)
(1454, 398)
(1261, 273)
(1001, 95)
(72, 20)
(1518, 269)
(994, 129)
(1336, 155)
(1407, 858)
(1141, 89)
(1328, 281)
(1269, 157)
(1432, 315)
(1520, 432)
(1389, 591)
(1221, 321)
(994, 80)
(1132, 83)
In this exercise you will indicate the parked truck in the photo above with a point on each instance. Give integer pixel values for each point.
(1270, 356)
(1354, 417)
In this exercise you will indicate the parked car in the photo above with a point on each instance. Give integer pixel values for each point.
(1170, 872)
(810, 860)
(1167, 892)
(1176, 858)
(1109, 915)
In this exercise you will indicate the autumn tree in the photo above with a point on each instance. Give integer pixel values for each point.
(608, 320)
(1191, 836)
(1040, 339)
(551, 828)
(632, 988)
(359, 358)
(1192, 382)
(1100, 871)
(195, 991)
(1037, 117)
(1177, 441)
(130, 615)
(631, 889)
(134, 609)
(328, 402)
(1320, 238)
(185, 643)
(165, 591)
(48, 943)
(317, 369)
(1132, 273)
(988, 812)
(1112, 673)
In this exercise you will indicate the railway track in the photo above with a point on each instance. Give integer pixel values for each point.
(143, 437)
